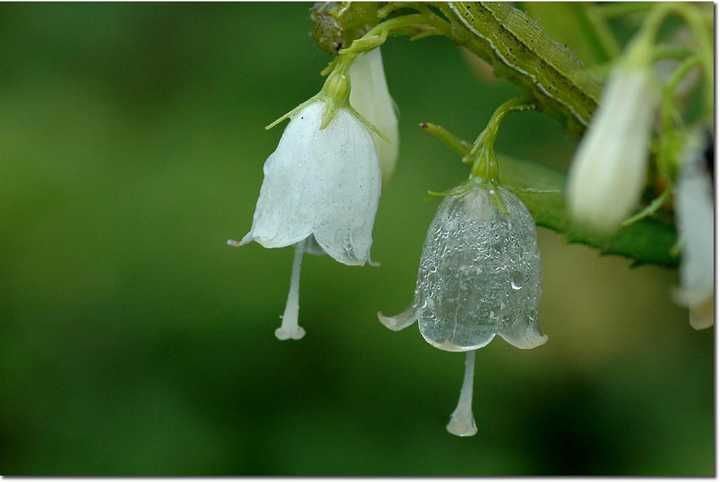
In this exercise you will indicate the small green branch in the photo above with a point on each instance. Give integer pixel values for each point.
(482, 154)
(612, 10)
(671, 52)
(602, 32)
(458, 145)
(694, 20)
(649, 210)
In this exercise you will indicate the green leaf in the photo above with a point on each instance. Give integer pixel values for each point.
(649, 241)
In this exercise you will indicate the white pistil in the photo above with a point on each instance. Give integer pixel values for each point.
(462, 422)
(289, 328)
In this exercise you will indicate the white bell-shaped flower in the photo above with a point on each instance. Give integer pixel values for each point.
(320, 193)
(479, 277)
(695, 225)
(371, 98)
(608, 173)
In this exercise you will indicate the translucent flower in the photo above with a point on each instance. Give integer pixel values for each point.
(696, 227)
(608, 173)
(371, 98)
(320, 193)
(479, 277)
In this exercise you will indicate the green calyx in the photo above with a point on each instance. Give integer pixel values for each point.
(485, 170)
(482, 154)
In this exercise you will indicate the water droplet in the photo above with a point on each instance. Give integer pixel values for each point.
(516, 280)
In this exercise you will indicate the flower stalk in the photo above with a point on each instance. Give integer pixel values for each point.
(462, 420)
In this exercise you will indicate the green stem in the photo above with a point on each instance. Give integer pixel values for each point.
(610, 10)
(449, 139)
(607, 41)
(662, 52)
(671, 122)
(695, 22)
(681, 71)
(667, 109)
(649, 209)
(482, 154)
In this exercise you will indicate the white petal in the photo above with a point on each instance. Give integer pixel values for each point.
(285, 210)
(608, 172)
(347, 174)
(369, 95)
(696, 226)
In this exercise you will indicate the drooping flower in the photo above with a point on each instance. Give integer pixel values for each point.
(695, 225)
(371, 98)
(479, 277)
(320, 193)
(608, 173)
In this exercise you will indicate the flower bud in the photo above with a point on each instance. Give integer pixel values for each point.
(371, 98)
(695, 225)
(608, 173)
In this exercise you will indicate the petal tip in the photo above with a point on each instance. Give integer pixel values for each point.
(247, 239)
(397, 322)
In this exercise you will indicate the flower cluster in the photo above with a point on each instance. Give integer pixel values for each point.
(480, 272)
(608, 175)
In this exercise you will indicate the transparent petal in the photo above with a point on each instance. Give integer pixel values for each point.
(479, 274)
(370, 96)
(608, 172)
(399, 321)
(347, 170)
(518, 316)
(461, 280)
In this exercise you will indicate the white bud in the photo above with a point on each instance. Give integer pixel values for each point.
(608, 173)
(695, 226)
(369, 95)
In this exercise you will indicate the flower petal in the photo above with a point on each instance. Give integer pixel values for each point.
(695, 224)
(460, 283)
(399, 321)
(518, 321)
(285, 209)
(608, 172)
(369, 95)
(348, 173)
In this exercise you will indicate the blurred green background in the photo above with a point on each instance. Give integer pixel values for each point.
(133, 341)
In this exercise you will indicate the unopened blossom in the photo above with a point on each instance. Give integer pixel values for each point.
(320, 194)
(695, 223)
(608, 172)
(479, 277)
(371, 98)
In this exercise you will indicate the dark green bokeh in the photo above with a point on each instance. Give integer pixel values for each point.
(133, 341)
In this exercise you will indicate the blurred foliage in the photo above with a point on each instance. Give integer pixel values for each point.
(133, 341)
